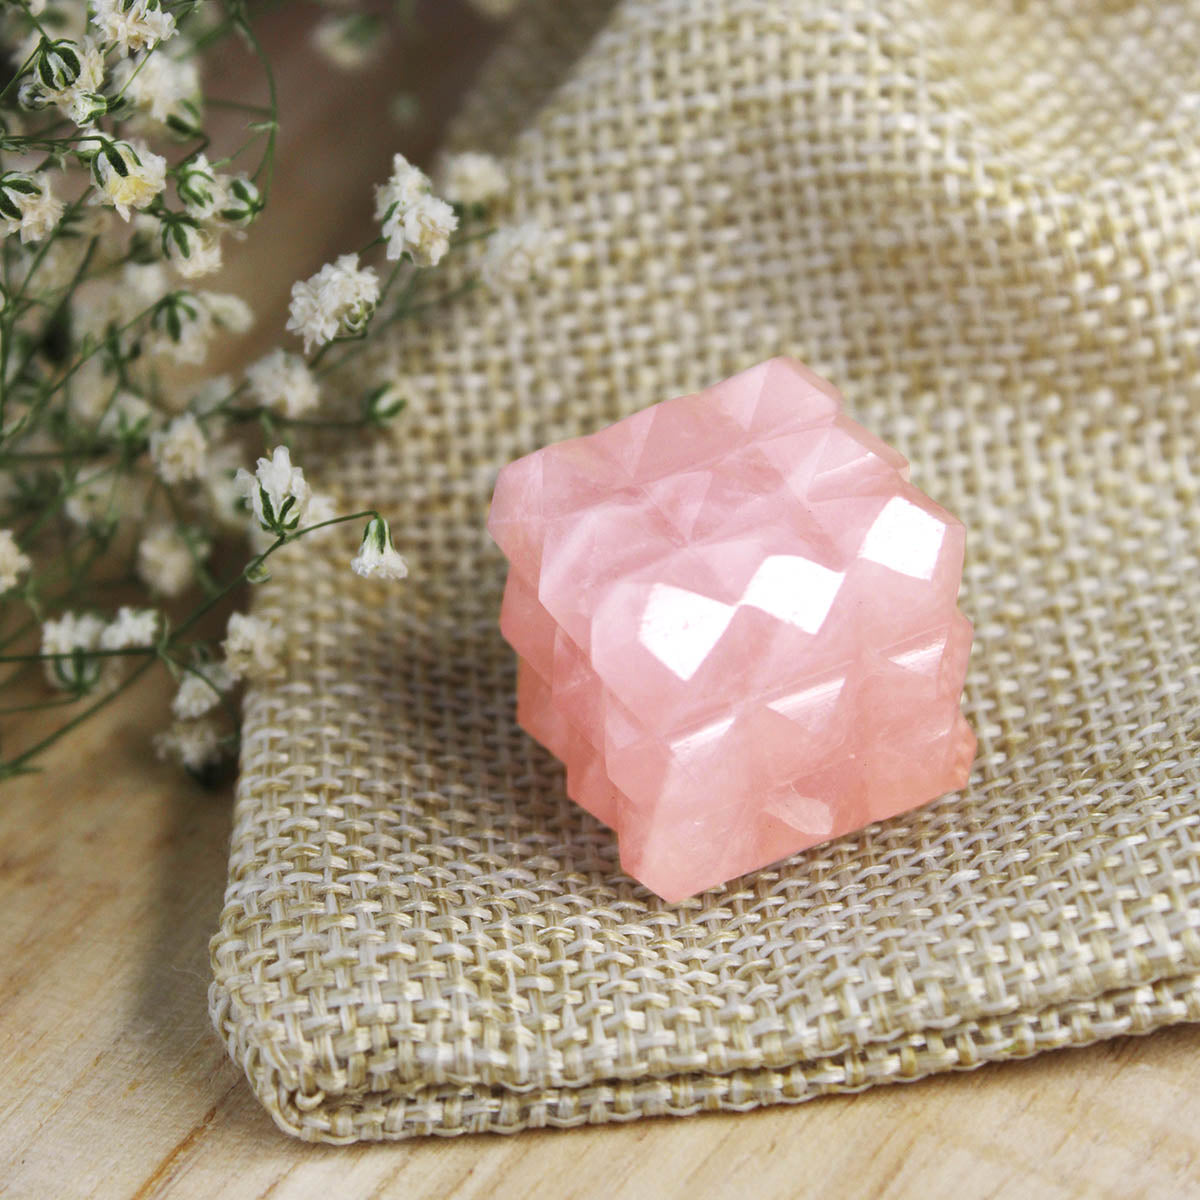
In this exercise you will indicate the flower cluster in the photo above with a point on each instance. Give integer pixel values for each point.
(415, 222)
(114, 202)
(473, 180)
(337, 301)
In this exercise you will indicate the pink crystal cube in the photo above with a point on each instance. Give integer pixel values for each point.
(736, 625)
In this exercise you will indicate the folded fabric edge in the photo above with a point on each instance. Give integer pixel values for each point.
(450, 1110)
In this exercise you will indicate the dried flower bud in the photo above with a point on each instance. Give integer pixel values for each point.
(28, 206)
(277, 491)
(376, 555)
(177, 233)
(185, 120)
(242, 202)
(13, 186)
(89, 107)
(14, 562)
(173, 314)
(382, 404)
(198, 746)
(58, 64)
(69, 640)
(197, 186)
(127, 176)
(131, 25)
(31, 97)
(338, 301)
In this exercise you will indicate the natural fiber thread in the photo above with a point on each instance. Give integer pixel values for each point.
(981, 223)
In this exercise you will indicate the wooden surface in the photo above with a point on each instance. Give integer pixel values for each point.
(111, 873)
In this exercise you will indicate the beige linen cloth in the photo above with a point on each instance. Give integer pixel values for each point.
(981, 222)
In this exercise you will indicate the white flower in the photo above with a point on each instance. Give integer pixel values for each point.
(195, 744)
(227, 311)
(28, 205)
(184, 323)
(210, 395)
(180, 328)
(471, 178)
(101, 304)
(202, 189)
(224, 495)
(72, 634)
(348, 40)
(413, 219)
(424, 230)
(241, 202)
(201, 690)
(515, 255)
(94, 499)
(200, 254)
(253, 647)
(132, 628)
(14, 562)
(131, 25)
(41, 216)
(72, 81)
(403, 186)
(165, 562)
(180, 452)
(277, 491)
(376, 555)
(161, 85)
(338, 300)
(128, 175)
(283, 383)
(125, 415)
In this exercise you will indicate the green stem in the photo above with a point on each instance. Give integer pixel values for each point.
(252, 566)
(44, 249)
(266, 164)
(207, 582)
(220, 595)
(17, 75)
(52, 509)
(242, 415)
(16, 765)
(237, 106)
(53, 656)
(61, 702)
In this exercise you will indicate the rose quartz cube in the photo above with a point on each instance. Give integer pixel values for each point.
(736, 625)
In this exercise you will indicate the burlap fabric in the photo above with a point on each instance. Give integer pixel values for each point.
(980, 222)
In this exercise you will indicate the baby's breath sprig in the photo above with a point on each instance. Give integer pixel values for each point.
(118, 484)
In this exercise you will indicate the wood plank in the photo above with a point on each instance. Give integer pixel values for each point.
(116, 1085)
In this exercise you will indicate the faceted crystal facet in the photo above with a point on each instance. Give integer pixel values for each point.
(736, 626)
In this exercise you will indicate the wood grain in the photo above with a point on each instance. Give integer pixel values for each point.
(111, 873)
(116, 1086)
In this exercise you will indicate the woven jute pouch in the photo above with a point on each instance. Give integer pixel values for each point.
(981, 222)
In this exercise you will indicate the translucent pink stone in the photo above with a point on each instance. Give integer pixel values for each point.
(736, 625)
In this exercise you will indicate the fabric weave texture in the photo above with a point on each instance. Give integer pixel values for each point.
(980, 222)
